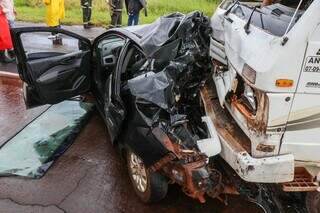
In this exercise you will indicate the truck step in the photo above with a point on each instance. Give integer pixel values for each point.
(303, 182)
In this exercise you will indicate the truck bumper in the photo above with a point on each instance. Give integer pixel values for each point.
(277, 169)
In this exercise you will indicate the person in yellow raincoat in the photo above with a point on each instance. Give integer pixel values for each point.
(54, 13)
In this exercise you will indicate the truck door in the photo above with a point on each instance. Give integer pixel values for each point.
(302, 135)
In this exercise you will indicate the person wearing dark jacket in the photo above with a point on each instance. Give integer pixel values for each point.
(133, 8)
(86, 13)
(115, 12)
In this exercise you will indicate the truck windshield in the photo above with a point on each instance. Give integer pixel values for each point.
(275, 19)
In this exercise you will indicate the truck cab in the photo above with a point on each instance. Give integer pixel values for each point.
(266, 80)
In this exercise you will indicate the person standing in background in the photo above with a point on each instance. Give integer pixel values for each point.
(86, 13)
(9, 11)
(133, 10)
(54, 13)
(115, 12)
(5, 38)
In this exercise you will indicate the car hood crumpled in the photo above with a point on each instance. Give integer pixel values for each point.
(164, 92)
(154, 36)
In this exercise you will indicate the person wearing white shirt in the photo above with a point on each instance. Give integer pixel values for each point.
(8, 9)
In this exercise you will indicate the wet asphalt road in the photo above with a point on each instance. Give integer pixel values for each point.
(12, 67)
(13, 113)
(88, 178)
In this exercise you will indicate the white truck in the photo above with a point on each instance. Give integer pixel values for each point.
(264, 98)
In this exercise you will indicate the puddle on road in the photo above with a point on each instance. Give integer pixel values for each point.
(13, 113)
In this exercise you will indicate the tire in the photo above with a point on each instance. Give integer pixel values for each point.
(156, 185)
(313, 202)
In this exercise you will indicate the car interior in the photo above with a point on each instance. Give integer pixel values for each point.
(106, 57)
(134, 64)
(107, 53)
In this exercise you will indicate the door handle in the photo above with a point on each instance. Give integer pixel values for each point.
(68, 60)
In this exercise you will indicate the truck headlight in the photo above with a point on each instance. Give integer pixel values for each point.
(250, 96)
(249, 73)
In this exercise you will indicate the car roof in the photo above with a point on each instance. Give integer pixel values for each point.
(151, 37)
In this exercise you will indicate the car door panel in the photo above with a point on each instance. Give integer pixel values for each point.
(34, 56)
(61, 76)
(40, 66)
(53, 76)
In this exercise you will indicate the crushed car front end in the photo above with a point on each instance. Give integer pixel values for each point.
(165, 124)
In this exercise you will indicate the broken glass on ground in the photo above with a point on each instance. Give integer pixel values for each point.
(32, 151)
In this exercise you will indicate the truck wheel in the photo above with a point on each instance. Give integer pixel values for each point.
(149, 186)
(313, 202)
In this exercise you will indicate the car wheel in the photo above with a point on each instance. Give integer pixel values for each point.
(313, 202)
(149, 186)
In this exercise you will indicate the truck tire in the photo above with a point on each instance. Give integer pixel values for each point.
(149, 186)
(313, 202)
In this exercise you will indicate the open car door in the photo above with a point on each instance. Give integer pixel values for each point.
(52, 72)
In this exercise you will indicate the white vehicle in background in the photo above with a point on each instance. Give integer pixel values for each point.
(265, 104)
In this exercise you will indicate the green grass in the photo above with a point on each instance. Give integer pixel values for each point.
(34, 11)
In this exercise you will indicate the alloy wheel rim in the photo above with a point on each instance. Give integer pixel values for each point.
(138, 172)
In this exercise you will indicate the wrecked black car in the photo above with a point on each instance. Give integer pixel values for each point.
(146, 82)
